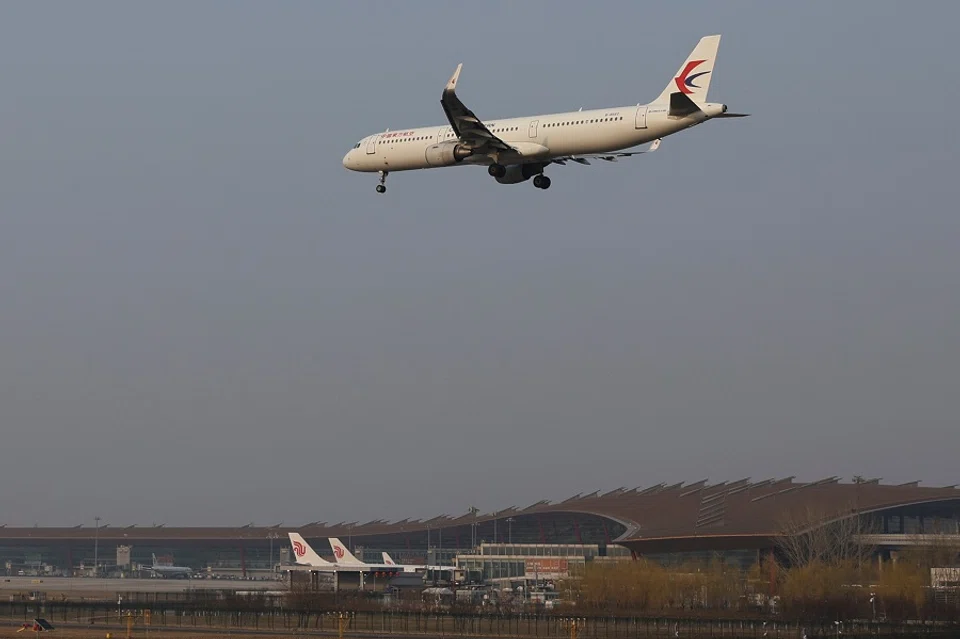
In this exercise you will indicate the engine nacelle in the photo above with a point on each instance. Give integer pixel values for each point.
(447, 154)
(517, 173)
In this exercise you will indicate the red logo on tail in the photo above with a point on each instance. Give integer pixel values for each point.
(685, 80)
(338, 551)
(298, 549)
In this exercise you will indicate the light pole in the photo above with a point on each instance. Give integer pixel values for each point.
(473, 527)
(510, 530)
(271, 537)
(96, 548)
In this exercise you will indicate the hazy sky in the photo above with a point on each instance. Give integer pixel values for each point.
(206, 319)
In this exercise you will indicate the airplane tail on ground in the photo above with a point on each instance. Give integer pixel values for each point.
(343, 555)
(303, 553)
(388, 560)
(154, 555)
(693, 78)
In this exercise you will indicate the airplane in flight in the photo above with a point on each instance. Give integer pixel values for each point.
(163, 570)
(515, 150)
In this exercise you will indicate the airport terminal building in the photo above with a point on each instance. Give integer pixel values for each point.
(739, 520)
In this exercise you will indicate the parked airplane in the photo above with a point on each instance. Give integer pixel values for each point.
(517, 149)
(344, 557)
(388, 560)
(163, 570)
(304, 555)
(345, 560)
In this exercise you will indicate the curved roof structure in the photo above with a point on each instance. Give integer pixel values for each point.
(661, 518)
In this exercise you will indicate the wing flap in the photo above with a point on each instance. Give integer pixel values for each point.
(606, 157)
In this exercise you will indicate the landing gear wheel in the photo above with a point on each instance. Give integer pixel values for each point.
(497, 170)
(541, 182)
(382, 187)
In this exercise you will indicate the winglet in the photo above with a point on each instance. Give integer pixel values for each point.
(452, 84)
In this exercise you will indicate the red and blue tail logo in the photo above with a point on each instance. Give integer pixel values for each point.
(685, 79)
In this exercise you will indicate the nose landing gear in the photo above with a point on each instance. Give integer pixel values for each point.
(382, 187)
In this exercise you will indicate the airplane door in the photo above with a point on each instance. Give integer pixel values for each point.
(641, 121)
(372, 144)
(533, 128)
(443, 133)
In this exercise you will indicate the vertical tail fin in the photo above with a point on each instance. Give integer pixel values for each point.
(388, 560)
(304, 554)
(154, 556)
(693, 78)
(343, 555)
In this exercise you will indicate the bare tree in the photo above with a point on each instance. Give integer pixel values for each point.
(931, 550)
(812, 535)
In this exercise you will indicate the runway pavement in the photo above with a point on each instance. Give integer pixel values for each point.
(80, 585)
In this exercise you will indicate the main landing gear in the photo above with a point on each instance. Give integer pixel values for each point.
(382, 187)
(541, 182)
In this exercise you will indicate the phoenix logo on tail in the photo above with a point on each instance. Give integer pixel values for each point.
(298, 549)
(685, 80)
(338, 551)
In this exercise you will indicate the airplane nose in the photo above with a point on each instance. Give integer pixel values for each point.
(346, 160)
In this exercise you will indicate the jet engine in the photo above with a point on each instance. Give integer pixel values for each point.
(517, 173)
(447, 154)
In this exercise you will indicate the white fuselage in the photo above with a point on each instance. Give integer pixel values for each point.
(537, 139)
(170, 571)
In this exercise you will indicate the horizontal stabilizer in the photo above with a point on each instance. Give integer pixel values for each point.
(681, 105)
(732, 115)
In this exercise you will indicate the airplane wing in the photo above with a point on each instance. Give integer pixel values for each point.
(608, 157)
(466, 125)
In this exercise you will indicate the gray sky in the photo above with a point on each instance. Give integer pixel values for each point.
(206, 320)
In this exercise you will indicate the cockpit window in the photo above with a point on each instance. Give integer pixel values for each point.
(357, 145)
